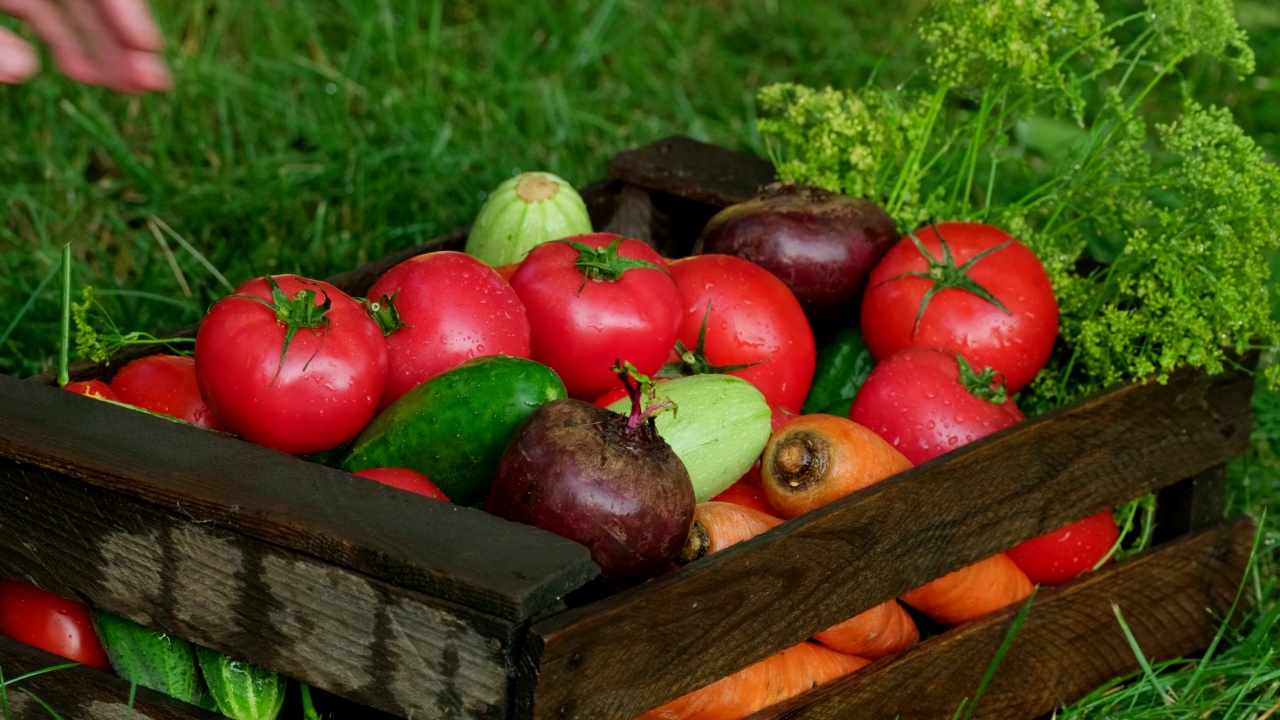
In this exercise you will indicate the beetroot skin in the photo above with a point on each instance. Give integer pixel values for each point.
(822, 245)
(590, 475)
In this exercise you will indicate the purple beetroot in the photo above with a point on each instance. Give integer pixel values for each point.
(604, 480)
(821, 244)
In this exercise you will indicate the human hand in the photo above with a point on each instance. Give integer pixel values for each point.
(113, 43)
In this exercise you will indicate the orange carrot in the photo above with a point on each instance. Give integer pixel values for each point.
(768, 682)
(884, 630)
(971, 592)
(717, 525)
(815, 459)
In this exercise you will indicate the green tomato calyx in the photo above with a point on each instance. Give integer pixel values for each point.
(694, 362)
(604, 263)
(988, 385)
(944, 274)
(384, 314)
(297, 312)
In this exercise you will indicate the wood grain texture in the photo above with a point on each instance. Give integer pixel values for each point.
(357, 637)
(454, 553)
(639, 649)
(1174, 599)
(693, 170)
(82, 693)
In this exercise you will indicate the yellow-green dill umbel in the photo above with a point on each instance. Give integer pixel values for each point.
(1156, 233)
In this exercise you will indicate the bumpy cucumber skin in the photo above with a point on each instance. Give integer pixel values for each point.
(151, 659)
(454, 427)
(241, 690)
(507, 227)
(718, 431)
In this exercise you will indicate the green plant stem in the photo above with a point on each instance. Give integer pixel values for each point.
(64, 349)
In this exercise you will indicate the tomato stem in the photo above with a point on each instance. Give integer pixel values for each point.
(604, 263)
(299, 311)
(384, 313)
(694, 362)
(944, 274)
(988, 385)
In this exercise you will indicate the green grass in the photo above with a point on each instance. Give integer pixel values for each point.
(313, 136)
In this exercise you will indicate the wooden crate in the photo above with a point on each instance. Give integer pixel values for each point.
(425, 610)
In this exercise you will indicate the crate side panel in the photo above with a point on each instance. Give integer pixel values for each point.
(641, 648)
(458, 554)
(339, 630)
(1173, 598)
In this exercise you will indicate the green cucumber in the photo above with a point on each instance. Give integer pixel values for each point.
(454, 427)
(718, 429)
(843, 365)
(241, 690)
(149, 658)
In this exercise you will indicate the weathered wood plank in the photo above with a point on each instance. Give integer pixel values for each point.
(641, 648)
(1174, 599)
(454, 553)
(693, 170)
(357, 637)
(80, 692)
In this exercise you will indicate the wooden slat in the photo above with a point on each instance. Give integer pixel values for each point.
(641, 648)
(81, 692)
(357, 637)
(693, 170)
(454, 553)
(1174, 599)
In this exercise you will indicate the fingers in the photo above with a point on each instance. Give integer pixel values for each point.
(18, 60)
(51, 24)
(132, 23)
(98, 42)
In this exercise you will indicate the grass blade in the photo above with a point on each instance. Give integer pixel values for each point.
(43, 704)
(1005, 644)
(26, 307)
(1165, 693)
(64, 349)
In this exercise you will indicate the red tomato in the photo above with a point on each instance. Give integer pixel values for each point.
(506, 271)
(52, 623)
(91, 388)
(753, 318)
(747, 495)
(165, 384)
(405, 479)
(589, 309)
(956, 317)
(919, 401)
(1060, 556)
(451, 308)
(331, 379)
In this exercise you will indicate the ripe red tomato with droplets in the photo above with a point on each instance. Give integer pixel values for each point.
(165, 384)
(966, 287)
(753, 319)
(315, 395)
(50, 622)
(594, 299)
(91, 388)
(923, 403)
(445, 309)
(747, 495)
(1062, 555)
(405, 479)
